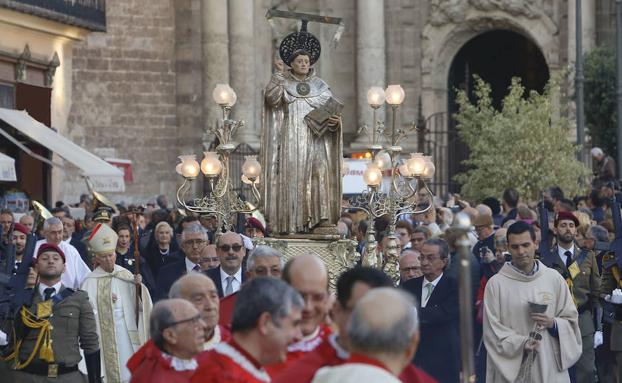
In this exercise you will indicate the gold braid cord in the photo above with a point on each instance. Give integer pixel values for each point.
(44, 340)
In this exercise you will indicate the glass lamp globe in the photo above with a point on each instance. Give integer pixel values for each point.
(189, 166)
(372, 175)
(416, 164)
(375, 96)
(383, 160)
(178, 169)
(224, 95)
(404, 171)
(395, 94)
(430, 169)
(211, 165)
(251, 167)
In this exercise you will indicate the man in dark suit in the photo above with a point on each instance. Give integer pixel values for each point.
(437, 302)
(229, 276)
(193, 241)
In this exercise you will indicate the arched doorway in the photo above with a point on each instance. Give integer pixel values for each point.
(496, 56)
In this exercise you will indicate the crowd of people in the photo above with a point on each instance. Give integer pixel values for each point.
(149, 295)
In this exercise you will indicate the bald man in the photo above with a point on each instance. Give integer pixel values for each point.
(383, 335)
(307, 275)
(201, 291)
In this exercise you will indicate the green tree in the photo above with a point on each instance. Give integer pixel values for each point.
(525, 145)
(600, 96)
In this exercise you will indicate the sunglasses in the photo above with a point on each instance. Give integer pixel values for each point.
(226, 248)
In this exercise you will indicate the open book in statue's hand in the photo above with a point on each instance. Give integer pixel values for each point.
(317, 119)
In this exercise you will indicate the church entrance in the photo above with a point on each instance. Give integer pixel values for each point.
(496, 56)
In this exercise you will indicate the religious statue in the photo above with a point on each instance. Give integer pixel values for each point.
(301, 144)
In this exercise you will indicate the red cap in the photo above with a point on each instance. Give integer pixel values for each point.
(50, 247)
(255, 223)
(566, 216)
(21, 228)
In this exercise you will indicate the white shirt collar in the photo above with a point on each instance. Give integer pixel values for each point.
(562, 252)
(179, 364)
(189, 265)
(43, 286)
(237, 276)
(434, 282)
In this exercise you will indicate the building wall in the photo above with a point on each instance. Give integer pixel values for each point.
(141, 86)
(124, 96)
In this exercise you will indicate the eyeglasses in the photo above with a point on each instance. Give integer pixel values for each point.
(195, 320)
(195, 242)
(226, 248)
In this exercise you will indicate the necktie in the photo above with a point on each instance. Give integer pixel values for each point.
(229, 288)
(196, 268)
(47, 293)
(568, 255)
(429, 287)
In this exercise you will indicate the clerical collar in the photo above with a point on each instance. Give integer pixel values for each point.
(214, 340)
(179, 364)
(362, 359)
(245, 354)
(535, 269)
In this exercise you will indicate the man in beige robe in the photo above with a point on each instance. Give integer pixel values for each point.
(508, 318)
(112, 291)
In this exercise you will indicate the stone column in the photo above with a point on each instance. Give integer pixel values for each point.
(215, 44)
(242, 69)
(370, 62)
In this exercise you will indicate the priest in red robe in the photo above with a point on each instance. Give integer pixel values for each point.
(176, 346)
(266, 319)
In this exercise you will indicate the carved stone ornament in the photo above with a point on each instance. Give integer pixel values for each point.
(20, 67)
(51, 70)
(454, 11)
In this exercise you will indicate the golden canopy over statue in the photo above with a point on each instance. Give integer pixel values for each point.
(301, 144)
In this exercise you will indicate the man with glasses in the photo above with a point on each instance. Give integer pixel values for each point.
(410, 265)
(437, 302)
(229, 276)
(266, 319)
(176, 346)
(193, 241)
(485, 232)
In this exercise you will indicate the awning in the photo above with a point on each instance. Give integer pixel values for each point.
(104, 176)
(7, 168)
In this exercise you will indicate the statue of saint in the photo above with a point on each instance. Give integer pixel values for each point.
(301, 144)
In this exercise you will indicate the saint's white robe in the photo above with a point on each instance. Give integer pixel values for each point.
(119, 335)
(507, 325)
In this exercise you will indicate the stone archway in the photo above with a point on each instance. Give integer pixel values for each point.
(446, 34)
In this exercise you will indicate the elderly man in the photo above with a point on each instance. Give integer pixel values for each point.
(437, 301)
(266, 319)
(193, 241)
(307, 274)
(511, 316)
(383, 334)
(53, 327)
(263, 261)
(351, 287)
(209, 258)
(113, 290)
(604, 168)
(200, 290)
(229, 276)
(28, 221)
(410, 266)
(485, 235)
(75, 269)
(176, 346)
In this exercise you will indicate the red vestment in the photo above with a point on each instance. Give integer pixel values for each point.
(229, 363)
(328, 353)
(226, 310)
(150, 365)
(299, 349)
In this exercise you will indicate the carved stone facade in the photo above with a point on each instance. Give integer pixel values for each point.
(144, 87)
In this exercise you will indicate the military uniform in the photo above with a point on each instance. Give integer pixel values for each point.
(585, 288)
(72, 327)
(608, 284)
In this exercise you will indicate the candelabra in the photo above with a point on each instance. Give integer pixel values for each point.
(408, 186)
(220, 201)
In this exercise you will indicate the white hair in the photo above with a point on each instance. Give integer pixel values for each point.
(597, 152)
(52, 221)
